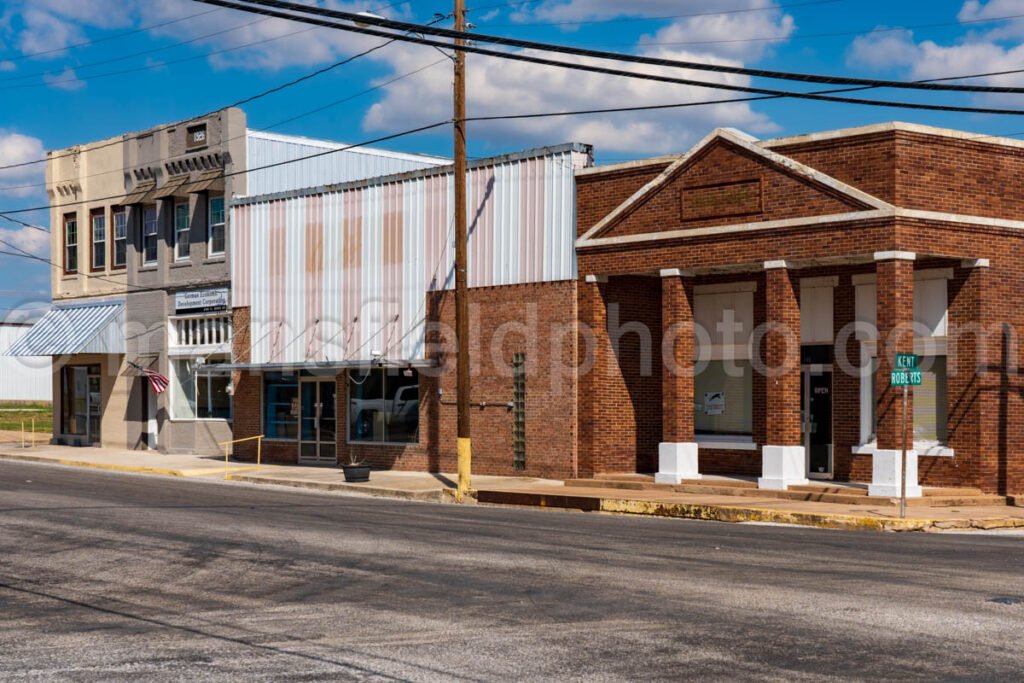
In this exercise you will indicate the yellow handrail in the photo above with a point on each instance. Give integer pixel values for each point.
(259, 450)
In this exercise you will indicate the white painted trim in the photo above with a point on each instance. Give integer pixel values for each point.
(595, 279)
(676, 272)
(626, 165)
(895, 256)
(735, 228)
(726, 288)
(819, 282)
(775, 265)
(975, 263)
(891, 126)
(927, 448)
(959, 218)
(749, 144)
(926, 274)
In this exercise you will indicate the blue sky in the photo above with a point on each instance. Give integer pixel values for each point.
(54, 94)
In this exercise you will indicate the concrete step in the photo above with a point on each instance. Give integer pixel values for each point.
(828, 488)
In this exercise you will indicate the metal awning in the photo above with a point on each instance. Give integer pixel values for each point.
(79, 328)
(207, 181)
(309, 366)
(140, 194)
(171, 187)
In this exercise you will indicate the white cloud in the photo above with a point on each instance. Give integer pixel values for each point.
(65, 80)
(583, 10)
(727, 35)
(881, 50)
(492, 84)
(35, 242)
(16, 148)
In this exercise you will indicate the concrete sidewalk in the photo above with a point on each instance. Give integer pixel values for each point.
(540, 493)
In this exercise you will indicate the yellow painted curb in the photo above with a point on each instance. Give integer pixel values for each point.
(187, 472)
(722, 513)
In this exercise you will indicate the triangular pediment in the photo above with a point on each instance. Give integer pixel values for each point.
(727, 179)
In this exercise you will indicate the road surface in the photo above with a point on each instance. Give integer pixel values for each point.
(121, 577)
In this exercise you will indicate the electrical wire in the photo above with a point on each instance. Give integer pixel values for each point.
(522, 57)
(260, 7)
(141, 29)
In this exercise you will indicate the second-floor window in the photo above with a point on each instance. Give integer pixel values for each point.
(216, 227)
(98, 218)
(70, 243)
(120, 255)
(150, 235)
(181, 236)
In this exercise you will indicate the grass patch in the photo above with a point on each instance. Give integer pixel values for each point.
(12, 414)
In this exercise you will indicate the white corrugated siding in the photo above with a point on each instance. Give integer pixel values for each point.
(23, 378)
(327, 169)
(385, 245)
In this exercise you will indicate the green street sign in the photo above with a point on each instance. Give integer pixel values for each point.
(906, 361)
(905, 378)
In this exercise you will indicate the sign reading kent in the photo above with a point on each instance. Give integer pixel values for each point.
(905, 372)
(198, 300)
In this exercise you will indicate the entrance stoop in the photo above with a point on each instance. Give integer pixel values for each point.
(840, 493)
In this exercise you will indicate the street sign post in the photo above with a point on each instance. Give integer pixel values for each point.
(904, 374)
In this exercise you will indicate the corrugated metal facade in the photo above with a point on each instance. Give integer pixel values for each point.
(21, 378)
(263, 149)
(337, 275)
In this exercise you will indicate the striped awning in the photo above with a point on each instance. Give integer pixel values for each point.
(207, 181)
(142, 192)
(172, 187)
(78, 328)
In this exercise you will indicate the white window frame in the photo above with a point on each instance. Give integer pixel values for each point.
(146, 235)
(179, 231)
(101, 243)
(210, 225)
(123, 215)
(195, 379)
(70, 246)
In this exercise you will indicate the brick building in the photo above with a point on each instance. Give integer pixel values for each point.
(745, 301)
(732, 310)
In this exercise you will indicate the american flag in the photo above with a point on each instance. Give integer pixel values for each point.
(156, 380)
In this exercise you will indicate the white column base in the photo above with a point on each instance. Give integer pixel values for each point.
(781, 467)
(885, 474)
(676, 461)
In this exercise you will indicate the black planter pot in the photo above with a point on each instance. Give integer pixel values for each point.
(356, 473)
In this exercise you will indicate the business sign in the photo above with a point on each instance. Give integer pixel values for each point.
(200, 300)
(714, 402)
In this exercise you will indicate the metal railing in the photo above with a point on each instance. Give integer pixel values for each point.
(227, 453)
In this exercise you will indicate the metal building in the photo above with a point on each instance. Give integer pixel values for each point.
(22, 378)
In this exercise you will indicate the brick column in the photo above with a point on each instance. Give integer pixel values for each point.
(783, 460)
(591, 343)
(677, 452)
(894, 317)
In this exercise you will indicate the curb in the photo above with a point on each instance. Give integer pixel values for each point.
(723, 513)
(188, 472)
(437, 496)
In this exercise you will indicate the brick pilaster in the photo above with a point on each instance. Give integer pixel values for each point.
(592, 342)
(894, 315)
(677, 350)
(781, 355)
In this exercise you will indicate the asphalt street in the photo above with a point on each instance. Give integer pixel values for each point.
(119, 577)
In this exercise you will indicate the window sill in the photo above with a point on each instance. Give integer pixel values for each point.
(184, 263)
(923, 448)
(731, 444)
(200, 419)
(392, 444)
(216, 258)
(149, 268)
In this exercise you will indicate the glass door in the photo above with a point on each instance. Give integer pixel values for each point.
(816, 409)
(317, 422)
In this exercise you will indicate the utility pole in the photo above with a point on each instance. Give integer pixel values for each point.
(464, 448)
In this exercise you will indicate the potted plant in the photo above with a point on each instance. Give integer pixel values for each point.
(355, 469)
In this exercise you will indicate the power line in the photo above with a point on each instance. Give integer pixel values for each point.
(141, 29)
(259, 7)
(523, 57)
(622, 20)
(133, 55)
(276, 124)
(365, 143)
(251, 98)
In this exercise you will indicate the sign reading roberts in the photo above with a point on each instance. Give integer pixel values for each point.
(201, 300)
(905, 372)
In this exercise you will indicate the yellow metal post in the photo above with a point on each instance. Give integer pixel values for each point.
(226, 445)
(33, 437)
(259, 451)
(22, 433)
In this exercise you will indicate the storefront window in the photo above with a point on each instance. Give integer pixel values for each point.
(384, 405)
(930, 414)
(281, 405)
(722, 396)
(199, 395)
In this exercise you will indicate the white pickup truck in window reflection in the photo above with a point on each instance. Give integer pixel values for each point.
(382, 419)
